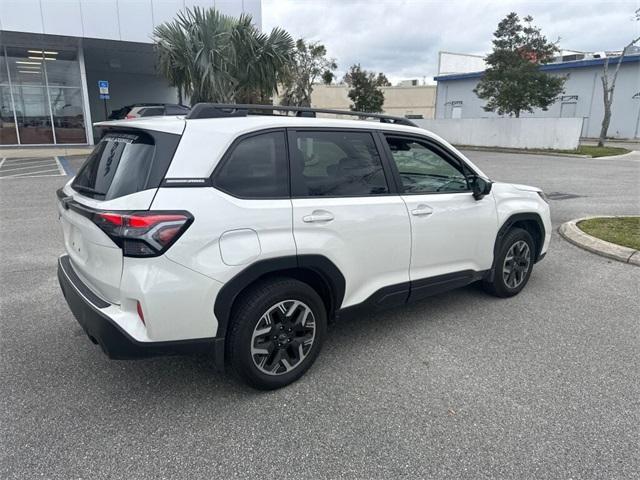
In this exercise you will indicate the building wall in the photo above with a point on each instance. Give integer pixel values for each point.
(125, 89)
(126, 20)
(401, 101)
(456, 97)
(110, 40)
(509, 132)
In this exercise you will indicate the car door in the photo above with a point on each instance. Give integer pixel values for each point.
(453, 234)
(345, 209)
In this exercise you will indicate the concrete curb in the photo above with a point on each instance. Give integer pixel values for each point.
(523, 151)
(572, 233)
(632, 153)
(53, 151)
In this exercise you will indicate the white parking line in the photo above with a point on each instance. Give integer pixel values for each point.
(31, 167)
(60, 167)
(26, 160)
(31, 174)
(11, 169)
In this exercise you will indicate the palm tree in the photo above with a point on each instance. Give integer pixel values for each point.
(212, 57)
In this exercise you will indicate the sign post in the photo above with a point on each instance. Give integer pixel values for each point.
(103, 86)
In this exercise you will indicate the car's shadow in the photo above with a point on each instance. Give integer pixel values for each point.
(197, 375)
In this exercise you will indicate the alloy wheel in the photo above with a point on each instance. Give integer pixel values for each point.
(283, 337)
(516, 264)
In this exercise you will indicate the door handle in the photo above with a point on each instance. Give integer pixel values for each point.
(318, 216)
(422, 210)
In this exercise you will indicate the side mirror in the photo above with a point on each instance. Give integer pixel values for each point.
(480, 187)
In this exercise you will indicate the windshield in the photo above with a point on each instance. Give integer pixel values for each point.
(119, 165)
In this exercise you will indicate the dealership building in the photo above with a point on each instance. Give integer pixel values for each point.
(53, 53)
(583, 97)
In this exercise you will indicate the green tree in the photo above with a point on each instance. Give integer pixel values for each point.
(310, 62)
(365, 92)
(327, 77)
(211, 57)
(513, 82)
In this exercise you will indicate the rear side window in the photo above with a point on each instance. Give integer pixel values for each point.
(152, 112)
(123, 163)
(176, 110)
(256, 168)
(336, 164)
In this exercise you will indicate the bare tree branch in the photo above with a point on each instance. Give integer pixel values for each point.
(609, 84)
(622, 55)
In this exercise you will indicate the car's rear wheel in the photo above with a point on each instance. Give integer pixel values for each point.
(276, 333)
(513, 264)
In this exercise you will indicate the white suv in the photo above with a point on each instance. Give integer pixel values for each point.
(243, 234)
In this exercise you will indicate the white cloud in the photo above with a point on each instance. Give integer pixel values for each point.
(402, 38)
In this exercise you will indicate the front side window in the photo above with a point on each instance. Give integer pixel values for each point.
(336, 164)
(423, 170)
(256, 168)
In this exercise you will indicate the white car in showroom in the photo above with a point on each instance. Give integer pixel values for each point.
(242, 231)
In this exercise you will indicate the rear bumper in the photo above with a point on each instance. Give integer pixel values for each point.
(114, 341)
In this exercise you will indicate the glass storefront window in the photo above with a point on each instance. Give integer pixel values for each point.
(4, 78)
(64, 70)
(32, 111)
(68, 118)
(8, 134)
(25, 68)
(42, 86)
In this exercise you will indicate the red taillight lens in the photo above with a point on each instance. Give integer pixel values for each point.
(143, 234)
(113, 218)
(144, 221)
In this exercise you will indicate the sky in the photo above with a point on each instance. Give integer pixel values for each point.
(402, 38)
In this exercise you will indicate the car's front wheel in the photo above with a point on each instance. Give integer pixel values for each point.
(513, 264)
(276, 333)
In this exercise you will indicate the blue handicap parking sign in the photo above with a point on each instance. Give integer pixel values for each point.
(103, 86)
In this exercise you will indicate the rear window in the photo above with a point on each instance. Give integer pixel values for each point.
(119, 165)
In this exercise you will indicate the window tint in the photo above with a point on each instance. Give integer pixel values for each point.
(152, 112)
(176, 110)
(119, 165)
(422, 170)
(336, 164)
(256, 168)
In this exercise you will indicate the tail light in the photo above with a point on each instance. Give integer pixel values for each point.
(143, 234)
(130, 116)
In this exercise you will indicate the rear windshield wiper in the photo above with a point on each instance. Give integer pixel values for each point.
(82, 188)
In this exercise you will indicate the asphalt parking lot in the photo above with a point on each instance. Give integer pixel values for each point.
(463, 385)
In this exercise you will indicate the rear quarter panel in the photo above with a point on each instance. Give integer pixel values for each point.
(227, 233)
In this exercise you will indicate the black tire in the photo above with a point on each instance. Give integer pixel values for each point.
(250, 310)
(499, 286)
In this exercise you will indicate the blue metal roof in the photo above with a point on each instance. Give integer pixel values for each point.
(591, 62)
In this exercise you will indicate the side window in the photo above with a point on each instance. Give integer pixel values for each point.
(338, 164)
(152, 112)
(175, 110)
(256, 168)
(423, 170)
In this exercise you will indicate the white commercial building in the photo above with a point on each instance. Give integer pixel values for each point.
(582, 98)
(53, 53)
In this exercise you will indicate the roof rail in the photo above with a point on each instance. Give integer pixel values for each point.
(221, 110)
